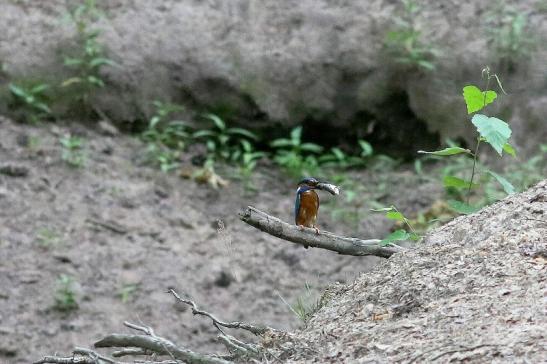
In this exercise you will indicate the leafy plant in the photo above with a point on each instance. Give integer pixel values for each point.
(222, 141)
(32, 100)
(89, 56)
(247, 158)
(165, 138)
(296, 157)
(405, 42)
(508, 33)
(491, 130)
(409, 233)
(336, 157)
(65, 296)
(73, 152)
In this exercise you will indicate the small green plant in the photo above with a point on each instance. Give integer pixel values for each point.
(405, 41)
(73, 152)
(65, 296)
(337, 158)
(491, 130)
(222, 141)
(88, 58)
(247, 158)
(166, 138)
(47, 238)
(295, 157)
(508, 33)
(408, 233)
(33, 101)
(127, 291)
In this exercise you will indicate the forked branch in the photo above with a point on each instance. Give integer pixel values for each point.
(309, 237)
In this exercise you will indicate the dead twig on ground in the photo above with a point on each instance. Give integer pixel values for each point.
(79, 356)
(309, 237)
(150, 342)
(257, 330)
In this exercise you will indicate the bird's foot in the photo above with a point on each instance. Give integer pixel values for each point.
(316, 230)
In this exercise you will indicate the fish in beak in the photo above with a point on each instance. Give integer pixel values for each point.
(329, 187)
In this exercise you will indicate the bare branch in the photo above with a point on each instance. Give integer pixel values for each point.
(309, 237)
(79, 356)
(157, 345)
(257, 330)
(131, 351)
(68, 360)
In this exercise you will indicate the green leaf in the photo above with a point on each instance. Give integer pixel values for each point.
(101, 61)
(217, 120)
(280, 143)
(337, 152)
(451, 181)
(462, 207)
(495, 131)
(310, 147)
(42, 107)
(95, 81)
(366, 148)
(395, 236)
(296, 134)
(71, 81)
(395, 215)
(39, 88)
(203, 133)
(18, 91)
(475, 99)
(243, 132)
(507, 186)
(508, 148)
(68, 61)
(447, 151)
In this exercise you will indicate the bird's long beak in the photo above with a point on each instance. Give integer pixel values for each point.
(329, 187)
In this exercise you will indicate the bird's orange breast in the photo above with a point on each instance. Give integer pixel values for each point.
(309, 205)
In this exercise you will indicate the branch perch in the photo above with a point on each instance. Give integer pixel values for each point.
(309, 237)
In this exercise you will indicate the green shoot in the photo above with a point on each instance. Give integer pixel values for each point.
(33, 100)
(65, 296)
(393, 213)
(73, 152)
(295, 157)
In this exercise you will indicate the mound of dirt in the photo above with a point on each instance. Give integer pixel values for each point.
(474, 291)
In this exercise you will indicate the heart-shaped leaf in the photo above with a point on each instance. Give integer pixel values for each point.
(475, 99)
(495, 131)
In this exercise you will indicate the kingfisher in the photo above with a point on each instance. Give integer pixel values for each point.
(307, 201)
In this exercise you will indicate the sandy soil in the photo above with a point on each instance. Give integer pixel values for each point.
(117, 225)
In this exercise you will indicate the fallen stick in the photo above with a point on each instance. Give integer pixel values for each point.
(309, 237)
(156, 344)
